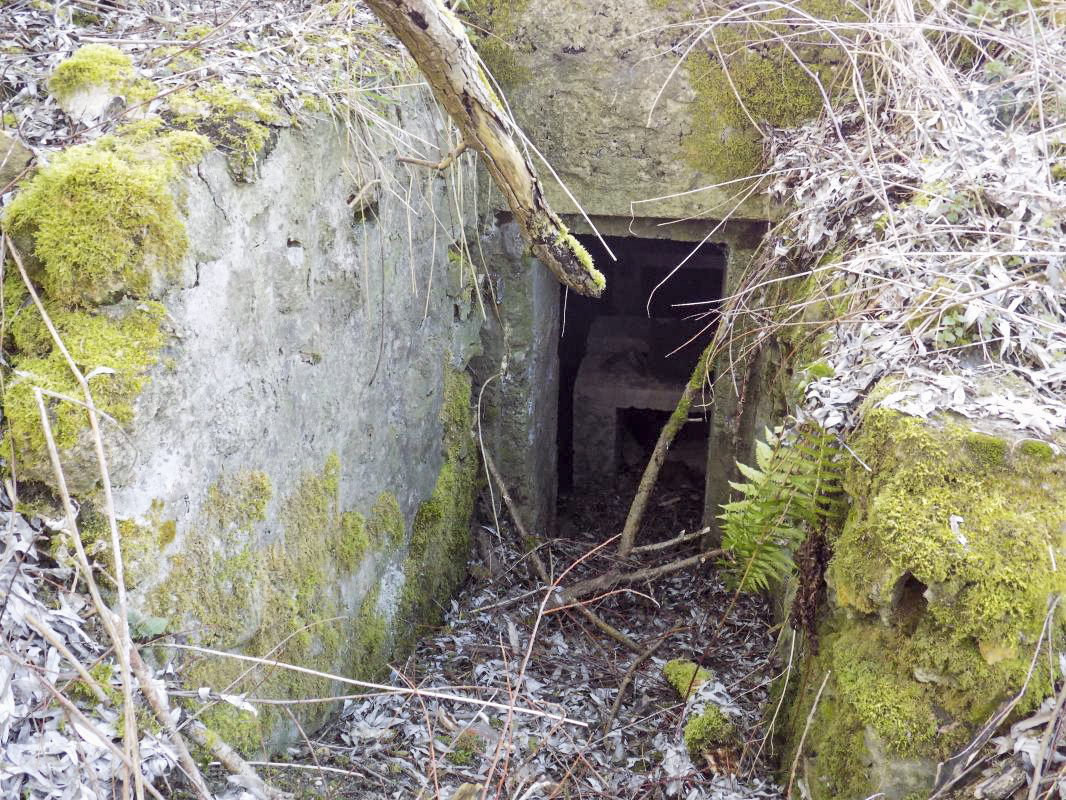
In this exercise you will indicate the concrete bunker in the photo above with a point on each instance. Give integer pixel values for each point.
(624, 359)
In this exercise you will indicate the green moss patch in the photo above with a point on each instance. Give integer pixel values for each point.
(239, 122)
(102, 218)
(941, 577)
(710, 729)
(685, 676)
(493, 28)
(738, 82)
(124, 342)
(440, 537)
(91, 66)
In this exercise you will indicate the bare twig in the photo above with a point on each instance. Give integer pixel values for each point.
(803, 737)
(541, 570)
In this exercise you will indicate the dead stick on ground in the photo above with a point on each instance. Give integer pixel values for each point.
(234, 763)
(628, 677)
(658, 456)
(1045, 742)
(681, 538)
(803, 736)
(541, 570)
(609, 580)
(192, 772)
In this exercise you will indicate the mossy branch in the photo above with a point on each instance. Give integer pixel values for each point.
(439, 45)
(658, 455)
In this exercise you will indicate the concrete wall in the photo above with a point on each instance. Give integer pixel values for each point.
(294, 468)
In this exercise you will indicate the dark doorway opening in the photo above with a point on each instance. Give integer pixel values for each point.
(624, 358)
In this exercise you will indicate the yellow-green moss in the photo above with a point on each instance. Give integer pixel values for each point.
(280, 600)
(237, 502)
(142, 541)
(493, 27)
(102, 218)
(774, 88)
(685, 676)
(91, 65)
(386, 523)
(894, 705)
(997, 566)
(440, 537)
(1035, 449)
(354, 540)
(125, 341)
(941, 577)
(103, 673)
(710, 729)
(237, 122)
(466, 748)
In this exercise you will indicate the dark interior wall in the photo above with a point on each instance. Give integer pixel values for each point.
(640, 286)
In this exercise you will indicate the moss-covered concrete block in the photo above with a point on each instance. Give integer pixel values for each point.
(940, 582)
(86, 83)
(597, 86)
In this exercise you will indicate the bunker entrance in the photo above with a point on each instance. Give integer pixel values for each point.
(624, 359)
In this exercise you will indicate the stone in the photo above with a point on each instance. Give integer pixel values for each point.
(14, 158)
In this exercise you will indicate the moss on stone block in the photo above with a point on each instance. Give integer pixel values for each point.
(440, 537)
(102, 218)
(238, 122)
(739, 82)
(386, 524)
(125, 342)
(283, 599)
(493, 26)
(710, 729)
(940, 580)
(91, 66)
(685, 676)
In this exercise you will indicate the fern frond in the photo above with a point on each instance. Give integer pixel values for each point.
(794, 487)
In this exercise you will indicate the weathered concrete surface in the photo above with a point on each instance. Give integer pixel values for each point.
(939, 586)
(582, 79)
(520, 343)
(296, 477)
(302, 400)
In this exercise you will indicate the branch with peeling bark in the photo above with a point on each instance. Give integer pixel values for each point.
(436, 40)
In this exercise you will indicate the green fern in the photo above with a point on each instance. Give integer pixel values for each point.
(793, 487)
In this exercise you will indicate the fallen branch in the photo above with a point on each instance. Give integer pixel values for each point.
(609, 580)
(379, 687)
(436, 40)
(561, 597)
(192, 771)
(658, 456)
(681, 538)
(627, 678)
(232, 761)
